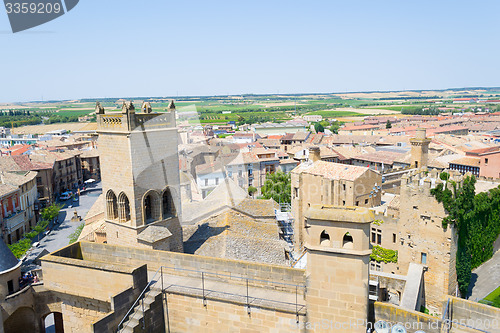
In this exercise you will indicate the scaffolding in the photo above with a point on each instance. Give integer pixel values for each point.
(285, 222)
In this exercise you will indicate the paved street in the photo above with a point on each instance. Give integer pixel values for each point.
(59, 236)
(485, 278)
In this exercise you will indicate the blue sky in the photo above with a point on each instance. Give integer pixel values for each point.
(128, 48)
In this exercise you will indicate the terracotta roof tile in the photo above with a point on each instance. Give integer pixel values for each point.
(332, 170)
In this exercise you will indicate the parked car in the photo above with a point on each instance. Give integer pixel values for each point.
(66, 196)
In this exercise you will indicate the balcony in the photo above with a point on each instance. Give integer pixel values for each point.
(14, 220)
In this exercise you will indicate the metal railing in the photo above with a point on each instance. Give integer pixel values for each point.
(285, 207)
(246, 297)
(205, 292)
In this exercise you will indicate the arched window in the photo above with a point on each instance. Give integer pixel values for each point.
(168, 204)
(111, 205)
(148, 207)
(123, 208)
(324, 239)
(151, 207)
(347, 242)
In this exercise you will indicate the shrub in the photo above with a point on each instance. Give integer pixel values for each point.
(74, 236)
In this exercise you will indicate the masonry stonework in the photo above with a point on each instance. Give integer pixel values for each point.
(140, 176)
(337, 269)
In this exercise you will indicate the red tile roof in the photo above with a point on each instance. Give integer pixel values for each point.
(357, 128)
(380, 157)
(332, 170)
(480, 151)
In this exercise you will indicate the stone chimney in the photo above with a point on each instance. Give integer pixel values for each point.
(314, 154)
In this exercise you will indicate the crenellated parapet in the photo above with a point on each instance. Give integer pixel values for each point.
(128, 120)
(423, 181)
(384, 216)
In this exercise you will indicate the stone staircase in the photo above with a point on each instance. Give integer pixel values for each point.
(136, 320)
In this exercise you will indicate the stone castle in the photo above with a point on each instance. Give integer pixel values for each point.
(140, 281)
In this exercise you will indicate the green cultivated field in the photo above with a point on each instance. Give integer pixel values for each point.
(251, 109)
(337, 114)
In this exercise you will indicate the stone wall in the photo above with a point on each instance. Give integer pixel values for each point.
(128, 256)
(467, 315)
(80, 312)
(220, 316)
(120, 304)
(86, 279)
(337, 290)
(412, 320)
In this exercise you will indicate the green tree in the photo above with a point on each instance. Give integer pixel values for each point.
(319, 128)
(251, 190)
(51, 212)
(74, 236)
(388, 124)
(335, 127)
(464, 270)
(278, 187)
(324, 123)
(477, 222)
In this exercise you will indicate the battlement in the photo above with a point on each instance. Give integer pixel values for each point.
(425, 180)
(384, 216)
(128, 120)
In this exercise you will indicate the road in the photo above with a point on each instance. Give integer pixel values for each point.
(59, 236)
(485, 278)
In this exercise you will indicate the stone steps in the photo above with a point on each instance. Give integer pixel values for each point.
(137, 315)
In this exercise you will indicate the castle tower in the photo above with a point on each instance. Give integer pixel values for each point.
(421, 237)
(338, 247)
(140, 177)
(419, 149)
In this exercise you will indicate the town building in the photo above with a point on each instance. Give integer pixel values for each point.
(278, 129)
(488, 161)
(67, 169)
(44, 175)
(312, 117)
(208, 176)
(91, 167)
(18, 196)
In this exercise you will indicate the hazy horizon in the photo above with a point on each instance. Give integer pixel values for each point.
(250, 94)
(197, 48)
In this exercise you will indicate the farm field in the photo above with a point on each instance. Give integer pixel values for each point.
(248, 108)
(41, 129)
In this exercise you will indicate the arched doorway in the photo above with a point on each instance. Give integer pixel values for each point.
(22, 320)
(53, 323)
